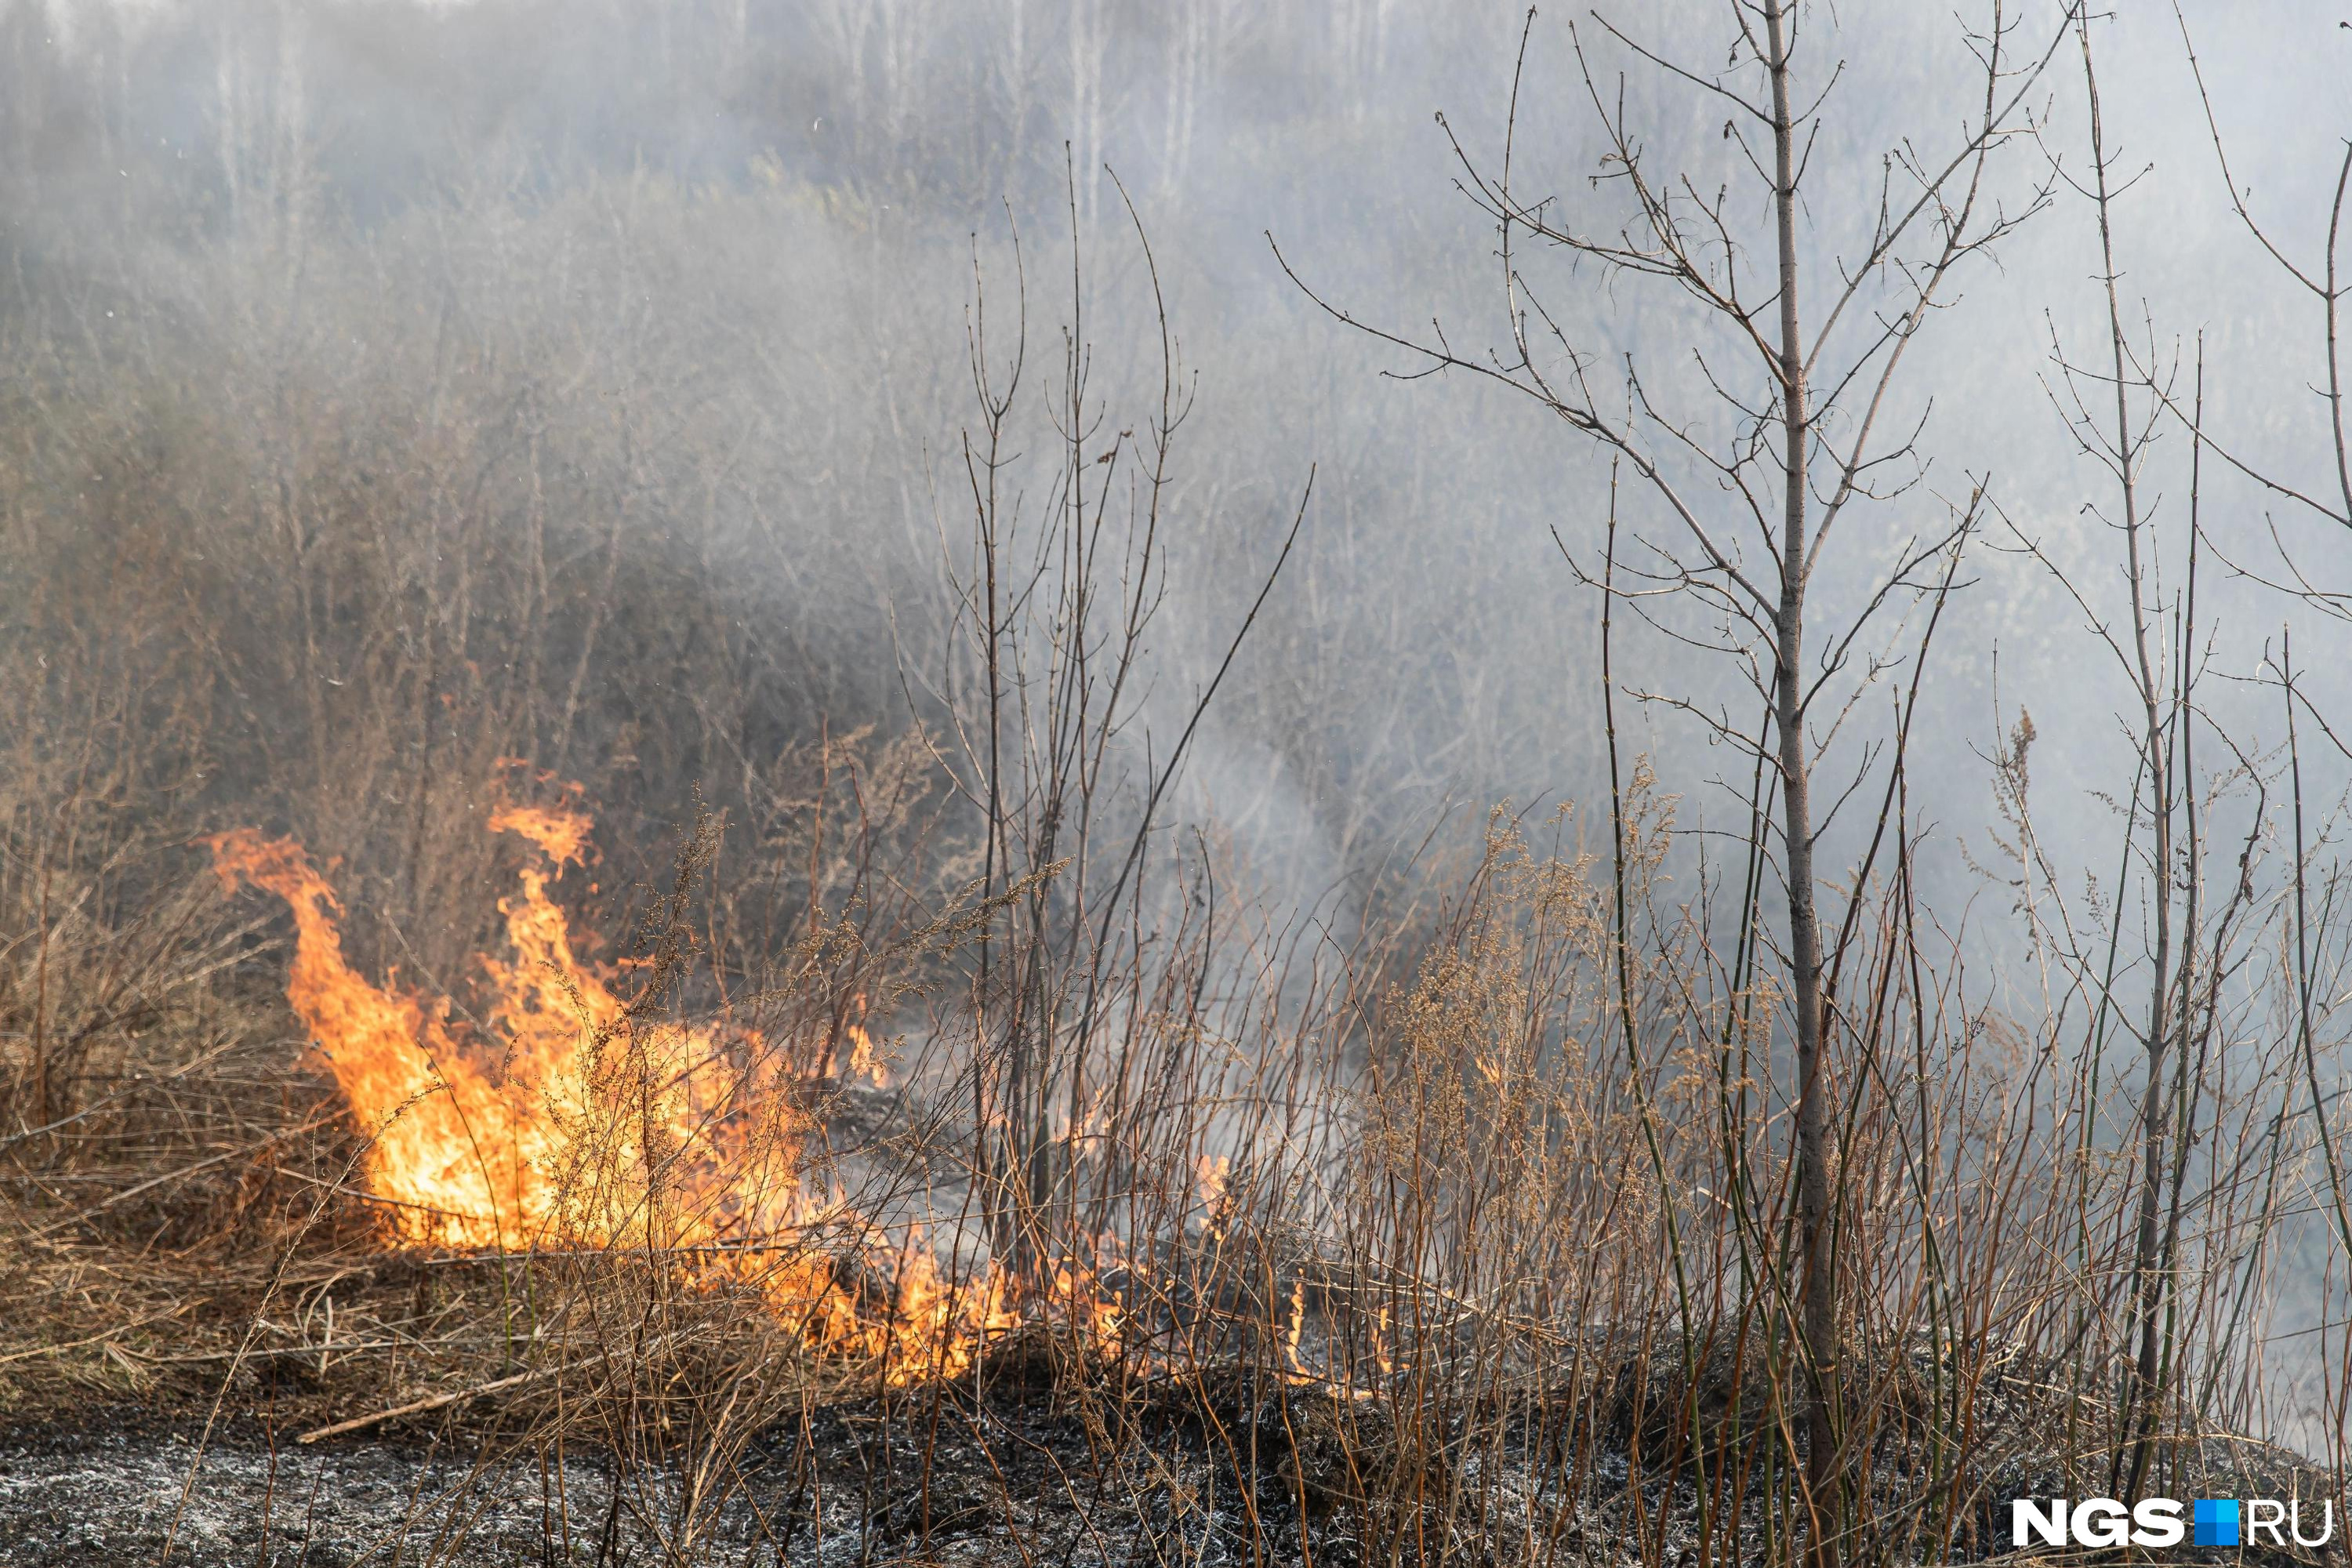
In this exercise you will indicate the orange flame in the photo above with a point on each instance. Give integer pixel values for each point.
(602, 1130)
(865, 1058)
(447, 1152)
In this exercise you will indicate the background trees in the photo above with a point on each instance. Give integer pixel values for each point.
(376, 411)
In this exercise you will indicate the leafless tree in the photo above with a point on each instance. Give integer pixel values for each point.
(1799, 437)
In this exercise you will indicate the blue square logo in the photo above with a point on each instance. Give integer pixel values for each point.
(2216, 1520)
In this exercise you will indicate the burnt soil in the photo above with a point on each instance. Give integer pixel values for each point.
(1017, 1479)
(1232, 1471)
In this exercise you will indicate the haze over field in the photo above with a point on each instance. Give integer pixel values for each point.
(750, 227)
(1010, 594)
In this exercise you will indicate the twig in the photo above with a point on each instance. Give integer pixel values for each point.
(94, 1339)
(433, 1402)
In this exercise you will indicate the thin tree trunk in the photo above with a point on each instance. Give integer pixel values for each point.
(2147, 1276)
(1819, 1278)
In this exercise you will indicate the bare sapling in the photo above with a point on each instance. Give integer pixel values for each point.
(1755, 486)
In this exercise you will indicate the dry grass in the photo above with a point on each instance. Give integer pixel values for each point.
(1467, 1234)
(1430, 1307)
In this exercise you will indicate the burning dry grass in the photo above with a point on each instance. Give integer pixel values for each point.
(1483, 1287)
(604, 1129)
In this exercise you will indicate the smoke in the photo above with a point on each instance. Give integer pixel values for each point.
(394, 387)
(709, 267)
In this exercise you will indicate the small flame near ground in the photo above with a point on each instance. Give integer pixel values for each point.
(865, 1056)
(603, 1130)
